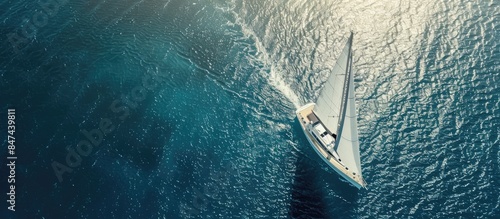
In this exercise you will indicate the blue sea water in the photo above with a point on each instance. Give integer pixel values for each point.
(217, 137)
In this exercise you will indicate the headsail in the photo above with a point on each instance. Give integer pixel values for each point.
(348, 142)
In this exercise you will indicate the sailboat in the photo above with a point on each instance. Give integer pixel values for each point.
(330, 123)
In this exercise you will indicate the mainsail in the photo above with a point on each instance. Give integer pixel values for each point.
(329, 101)
(335, 107)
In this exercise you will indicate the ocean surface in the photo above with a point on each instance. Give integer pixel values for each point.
(215, 135)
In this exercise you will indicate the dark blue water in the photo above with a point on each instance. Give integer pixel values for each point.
(216, 137)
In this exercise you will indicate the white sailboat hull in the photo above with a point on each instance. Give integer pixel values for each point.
(302, 116)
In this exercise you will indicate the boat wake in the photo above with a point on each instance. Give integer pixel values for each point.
(269, 70)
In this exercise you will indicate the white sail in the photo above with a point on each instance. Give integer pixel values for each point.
(329, 110)
(348, 144)
(330, 99)
(336, 110)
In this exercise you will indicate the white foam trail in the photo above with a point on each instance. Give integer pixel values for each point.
(164, 6)
(277, 81)
(275, 77)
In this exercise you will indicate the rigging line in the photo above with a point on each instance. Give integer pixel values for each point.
(335, 106)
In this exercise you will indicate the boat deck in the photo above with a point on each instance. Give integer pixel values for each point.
(312, 118)
(305, 116)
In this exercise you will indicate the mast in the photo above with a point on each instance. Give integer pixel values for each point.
(345, 91)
